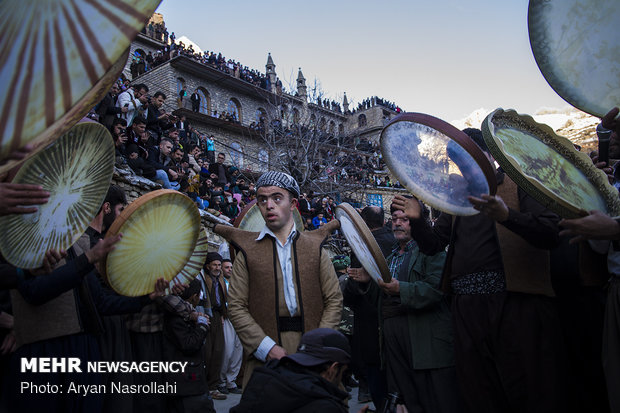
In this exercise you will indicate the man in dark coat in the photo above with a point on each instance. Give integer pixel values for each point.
(366, 320)
(184, 340)
(107, 109)
(195, 98)
(306, 381)
(157, 120)
(220, 169)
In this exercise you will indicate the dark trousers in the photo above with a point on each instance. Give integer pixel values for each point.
(377, 384)
(115, 344)
(611, 344)
(84, 346)
(581, 310)
(148, 347)
(214, 350)
(423, 391)
(509, 353)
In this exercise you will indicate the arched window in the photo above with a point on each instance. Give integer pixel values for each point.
(322, 124)
(180, 84)
(234, 108)
(284, 113)
(260, 113)
(205, 101)
(361, 121)
(263, 159)
(236, 155)
(341, 129)
(295, 116)
(312, 122)
(331, 128)
(139, 53)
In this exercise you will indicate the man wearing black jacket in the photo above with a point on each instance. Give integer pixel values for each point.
(157, 120)
(195, 98)
(184, 340)
(220, 169)
(366, 321)
(159, 158)
(107, 109)
(306, 381)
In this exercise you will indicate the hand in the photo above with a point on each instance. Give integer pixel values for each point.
(18, 154)
(410, 206)
(602, 166)
(491, 205)
(597, 225)
(391, 288)
(358, 274)
(6, 320)
(173, 174)
(50, 261)
(195, 314)
(14, 198)
(276, 352)
(102, 248)
(609, 121)
(124, 109)
(160, 288)
(178, 288)
(9, 344)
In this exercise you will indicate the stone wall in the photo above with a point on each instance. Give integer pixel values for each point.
(136, 186)
(144, 43)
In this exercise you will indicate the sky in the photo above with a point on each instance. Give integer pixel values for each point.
(445, 58)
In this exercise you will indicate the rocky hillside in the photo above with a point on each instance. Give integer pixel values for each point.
(572, 123)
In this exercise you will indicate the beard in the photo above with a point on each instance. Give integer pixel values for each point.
(108, 219)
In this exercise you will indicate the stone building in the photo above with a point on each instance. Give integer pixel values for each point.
(259, 111)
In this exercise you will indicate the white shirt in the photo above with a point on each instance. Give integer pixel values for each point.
(613, 256)
(290, 296)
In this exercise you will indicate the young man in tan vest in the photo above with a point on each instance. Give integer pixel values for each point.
(507, 338)
(283, 284)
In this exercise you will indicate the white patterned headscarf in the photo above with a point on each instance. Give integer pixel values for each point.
(279, 179)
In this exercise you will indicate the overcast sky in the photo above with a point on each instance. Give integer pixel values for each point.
(446, 58)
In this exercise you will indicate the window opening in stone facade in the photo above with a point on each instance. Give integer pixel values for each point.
(361, 121)
(234, 108)
(205, 101)
(236, 155)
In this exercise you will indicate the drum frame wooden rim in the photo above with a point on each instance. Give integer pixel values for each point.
(457, 136)
(563, 147)
(128, 212)
(369, 240)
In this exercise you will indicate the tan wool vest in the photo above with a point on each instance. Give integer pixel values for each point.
(266, 295)
(527, 268)
(55, 318)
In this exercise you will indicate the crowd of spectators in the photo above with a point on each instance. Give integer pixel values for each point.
(166, 149)
(329, 104)
(377, 101)
(217, 61)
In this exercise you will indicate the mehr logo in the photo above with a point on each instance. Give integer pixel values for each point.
(51, 365)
